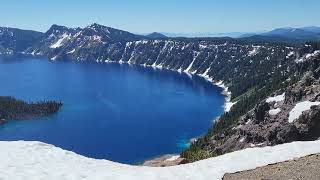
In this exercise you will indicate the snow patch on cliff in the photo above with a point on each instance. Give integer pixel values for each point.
(274, 112)
(61, 41)
(276, 98)
(308, 56)
(299, 108)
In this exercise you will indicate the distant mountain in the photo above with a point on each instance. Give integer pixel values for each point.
(274, 39)
(247, 35)
(314, 29)
(205, 34)
(290, 32)
(297, 35)
(156, 35)
(16, 40)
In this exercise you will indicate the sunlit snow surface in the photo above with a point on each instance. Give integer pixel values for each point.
(276, 98)
(299, 108)
(274, 112)
(36, 160)
(60, 42)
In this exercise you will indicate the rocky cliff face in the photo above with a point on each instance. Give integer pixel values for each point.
(81, 44)
(225, 59)
(289, 114)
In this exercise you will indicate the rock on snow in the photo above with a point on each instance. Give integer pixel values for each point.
(36, 160)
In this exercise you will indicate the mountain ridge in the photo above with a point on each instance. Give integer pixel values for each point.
(156, 35)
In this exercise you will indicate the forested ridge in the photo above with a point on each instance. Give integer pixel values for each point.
(13, 109)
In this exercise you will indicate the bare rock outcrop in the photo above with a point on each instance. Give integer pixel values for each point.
(268, 123)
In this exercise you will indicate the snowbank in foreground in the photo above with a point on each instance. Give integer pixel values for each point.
(36, 160)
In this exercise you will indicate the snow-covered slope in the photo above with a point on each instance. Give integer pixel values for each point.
(35, 160)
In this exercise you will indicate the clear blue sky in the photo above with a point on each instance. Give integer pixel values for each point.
(162, 15)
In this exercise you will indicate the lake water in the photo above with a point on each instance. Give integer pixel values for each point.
(117, 112)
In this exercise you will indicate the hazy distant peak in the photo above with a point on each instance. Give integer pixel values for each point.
(156, 35)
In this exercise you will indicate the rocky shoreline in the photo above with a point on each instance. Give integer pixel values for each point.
(165, 161)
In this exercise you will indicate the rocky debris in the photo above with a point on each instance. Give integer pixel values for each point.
(260, 112)
(297, 169)
(308, 124)
(258, 127)
(164, 161)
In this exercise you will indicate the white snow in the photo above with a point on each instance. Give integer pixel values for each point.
(173, 158)
(72, 51)
(255, 145)
(276, 98)
(201, 46)
(254, 51)
(308, 56)
(315, 53)
(60, 42)
(242, 139)
(54, 58)
(36, 160)
(299, 108)
(293, 30)
(96, 38)
(195, 55)
(228, 105)
(290, 54)
(274, 112)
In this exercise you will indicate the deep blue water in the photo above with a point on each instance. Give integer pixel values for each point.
(117, 112)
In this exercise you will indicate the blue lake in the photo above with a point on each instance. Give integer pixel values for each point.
(117, 112)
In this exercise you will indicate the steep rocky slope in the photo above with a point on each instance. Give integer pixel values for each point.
(290, 114)
(272, 121)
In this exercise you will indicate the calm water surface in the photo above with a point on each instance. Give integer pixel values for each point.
(117, 112)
